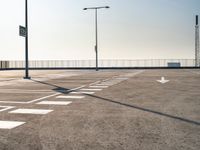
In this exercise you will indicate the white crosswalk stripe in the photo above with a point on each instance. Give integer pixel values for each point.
(6, 108)
(31, 111)
(82, 92)
(90, 89)
(70, 97)
(10, 124)
(54, 103)
(99, 86)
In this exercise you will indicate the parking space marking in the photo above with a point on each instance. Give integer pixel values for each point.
(98, 86)
(44, 97)
(32, 101)
(10, 124)
(122, 78)
(107, 79)
(70, 97)
(82, 92)
(25, 91)
(31, 111)
(91, 89)
(104, 84)
(111, 82)
(54, 103)
(13, 102)
(39, 99)
(95, 83)
(6, 108)
(118, 79)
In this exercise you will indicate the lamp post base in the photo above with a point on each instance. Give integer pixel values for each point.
(28, 78)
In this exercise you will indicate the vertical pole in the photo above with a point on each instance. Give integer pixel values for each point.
(26, 42)
(96, 46)
(197, 47)
(197, 55)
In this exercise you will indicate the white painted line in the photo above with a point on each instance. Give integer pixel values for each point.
(121, 78)
(54, 103)
(81, 92)
(107, 80)
(21, 92)
(43, 98)
(35, 100)
(70, 97)
(111, 81)
(95, 83)
(31, 111)
(6, 108)
(13, 102)
(117, 79)
(76, 88)
(10, 124)
(105, 84)
(99, 86)
(25, 91)
(90, 89)
(39, 99)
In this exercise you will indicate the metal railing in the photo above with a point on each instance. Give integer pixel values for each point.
(102, 63)
(4, 64)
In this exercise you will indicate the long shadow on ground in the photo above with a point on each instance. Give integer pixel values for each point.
(66, 91)
(147, 110)
(56, 88)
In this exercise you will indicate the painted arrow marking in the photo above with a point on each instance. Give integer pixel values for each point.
(163, 81)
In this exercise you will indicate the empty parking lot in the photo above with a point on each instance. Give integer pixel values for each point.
(109, 109)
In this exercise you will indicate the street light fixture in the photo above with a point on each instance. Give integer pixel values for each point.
(96, 46)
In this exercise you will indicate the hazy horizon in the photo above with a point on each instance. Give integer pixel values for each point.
(130, 29)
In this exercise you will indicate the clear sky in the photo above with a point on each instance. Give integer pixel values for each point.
(130, 29)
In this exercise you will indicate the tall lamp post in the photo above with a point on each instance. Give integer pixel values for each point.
(96, 35)
(197, 51)
(23, 31)
(26, 41)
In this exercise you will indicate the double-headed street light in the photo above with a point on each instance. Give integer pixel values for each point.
(96, 46)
